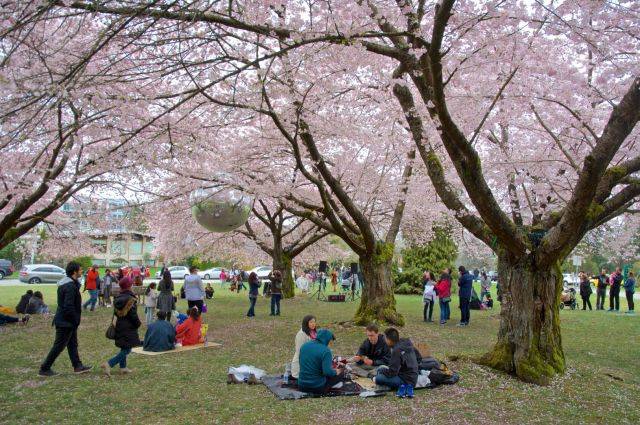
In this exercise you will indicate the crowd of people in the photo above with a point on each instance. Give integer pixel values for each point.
(614, 282)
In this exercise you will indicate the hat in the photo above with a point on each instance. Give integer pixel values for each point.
(125, 283)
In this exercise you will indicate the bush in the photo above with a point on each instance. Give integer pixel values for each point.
(85, 261)
(433, 256)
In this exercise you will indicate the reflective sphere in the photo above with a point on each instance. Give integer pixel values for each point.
(220, 209)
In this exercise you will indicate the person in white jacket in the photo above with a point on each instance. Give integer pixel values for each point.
(306, 333)
(150, 302)
(428, 296)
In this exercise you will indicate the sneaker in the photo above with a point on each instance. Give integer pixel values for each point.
(461, 324)
(126, 370)
(106, 368)
(82, 369)
(231, 379)
(442, 322)
(402, 391)
(25, 319)
(47, 373)
(409, 393)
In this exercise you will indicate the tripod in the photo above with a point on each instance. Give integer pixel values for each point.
(353, 295)
(319, 294)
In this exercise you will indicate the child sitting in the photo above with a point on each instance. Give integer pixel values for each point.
(488, 303)
(189, 332)
(36, 304)
(150, 302)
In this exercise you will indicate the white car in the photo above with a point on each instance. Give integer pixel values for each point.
(177, 272)
(569, 279)
(261, 271)
(38, 273)
(212, 273)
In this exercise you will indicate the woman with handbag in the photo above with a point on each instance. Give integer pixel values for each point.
(254, 286)
(125, 330)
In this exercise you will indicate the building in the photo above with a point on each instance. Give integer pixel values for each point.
(123, 248)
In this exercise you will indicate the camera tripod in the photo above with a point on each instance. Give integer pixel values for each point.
(319, 294)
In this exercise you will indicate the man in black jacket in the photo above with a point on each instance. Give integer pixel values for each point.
(67, 320)
(614, 291)
(603, 281)
(373, 352)
(21, 308)
(402, 372)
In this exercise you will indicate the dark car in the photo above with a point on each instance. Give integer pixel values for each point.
(6, 268)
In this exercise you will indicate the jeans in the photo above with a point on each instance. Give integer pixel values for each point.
(586, 301)
(393, 382)
(148, 313)
(464, 310)
(600, 297)
(93, 293)
(427, 312)
(614, 298)
(65, 337)
(444, 310)
(629, 295)
(252, 306)
(196, 303)
(7, 319)
(275, 304)
(120, 358)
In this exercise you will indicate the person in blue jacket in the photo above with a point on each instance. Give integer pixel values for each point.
(465, 282)
(161, 335)
(317, 374)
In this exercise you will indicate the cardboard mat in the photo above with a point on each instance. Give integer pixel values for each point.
(139, 350)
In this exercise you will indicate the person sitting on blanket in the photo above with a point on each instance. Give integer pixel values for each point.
(160, 335)
(402, 372)
(306, 333)
(373, 352)
(21, 308)
(189, 332)
(317, 374)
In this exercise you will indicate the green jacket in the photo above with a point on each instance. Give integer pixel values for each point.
(316, 361)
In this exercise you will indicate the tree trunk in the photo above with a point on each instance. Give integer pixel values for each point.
(377, 303)
(529, 343)
(283, 262)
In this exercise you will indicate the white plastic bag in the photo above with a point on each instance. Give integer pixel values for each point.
(242, 372)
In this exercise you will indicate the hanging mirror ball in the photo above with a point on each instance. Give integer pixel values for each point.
(220, 209)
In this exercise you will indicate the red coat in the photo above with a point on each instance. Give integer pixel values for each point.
(91, 282)
(443, 288)
(189, 332)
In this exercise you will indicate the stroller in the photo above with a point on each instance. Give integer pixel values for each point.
(568, 298)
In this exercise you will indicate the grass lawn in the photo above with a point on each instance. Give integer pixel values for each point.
(601, 385)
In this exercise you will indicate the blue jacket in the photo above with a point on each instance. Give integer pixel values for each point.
(316, 361)
(160, 336)
(465, 283)
(630, 285)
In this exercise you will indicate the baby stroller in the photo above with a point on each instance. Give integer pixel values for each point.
(568, 298)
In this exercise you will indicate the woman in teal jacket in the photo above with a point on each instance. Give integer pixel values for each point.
(317, 374)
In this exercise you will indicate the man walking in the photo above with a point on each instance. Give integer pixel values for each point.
(603, 281)
(91, 285)
(66, 321)
(614, 292)
(466, 284)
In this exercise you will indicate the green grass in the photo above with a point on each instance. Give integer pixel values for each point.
(601, 384)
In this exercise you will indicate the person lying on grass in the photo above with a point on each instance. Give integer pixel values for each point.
(189, 332)
(4, 319)
(317, 374)
(160, 335)
(373, 352)
(402, 372)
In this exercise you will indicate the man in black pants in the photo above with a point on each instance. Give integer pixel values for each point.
(67, 320)
(603, 281)
(614, 292)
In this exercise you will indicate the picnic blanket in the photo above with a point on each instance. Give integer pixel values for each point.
(139, 350)
(291, 392)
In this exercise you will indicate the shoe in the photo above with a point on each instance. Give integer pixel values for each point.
(231, 379)
(106, 368)
(610, 309)
(126, 370)
(461, 324)
(252, 380)
(271, 314)
(25, 319)
(402, 391)
(82, 369)
(47, 373)
(409, 392)
(442, 322)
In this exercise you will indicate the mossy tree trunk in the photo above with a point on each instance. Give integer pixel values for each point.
(377, 303)
(529, 343)
(282, 261)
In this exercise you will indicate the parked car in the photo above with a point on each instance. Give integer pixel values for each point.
(177, 272)
(212, 273)
(569, 279)
(39, 273)
(262, 272)
(6, 268)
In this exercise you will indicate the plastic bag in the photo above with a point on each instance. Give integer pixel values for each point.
(242, 372)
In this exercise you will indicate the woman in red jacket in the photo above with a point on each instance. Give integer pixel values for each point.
(443, 289)
(189, 332)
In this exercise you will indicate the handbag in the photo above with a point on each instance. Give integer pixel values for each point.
(204, 307)
(111, 330)
(445, 299)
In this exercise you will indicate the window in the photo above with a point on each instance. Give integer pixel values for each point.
(135, 247)
(148, 247)
(99, 262)
(41, 269)
(100, 245)
(118, 247)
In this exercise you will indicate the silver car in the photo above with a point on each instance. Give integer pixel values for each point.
(38, 273)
